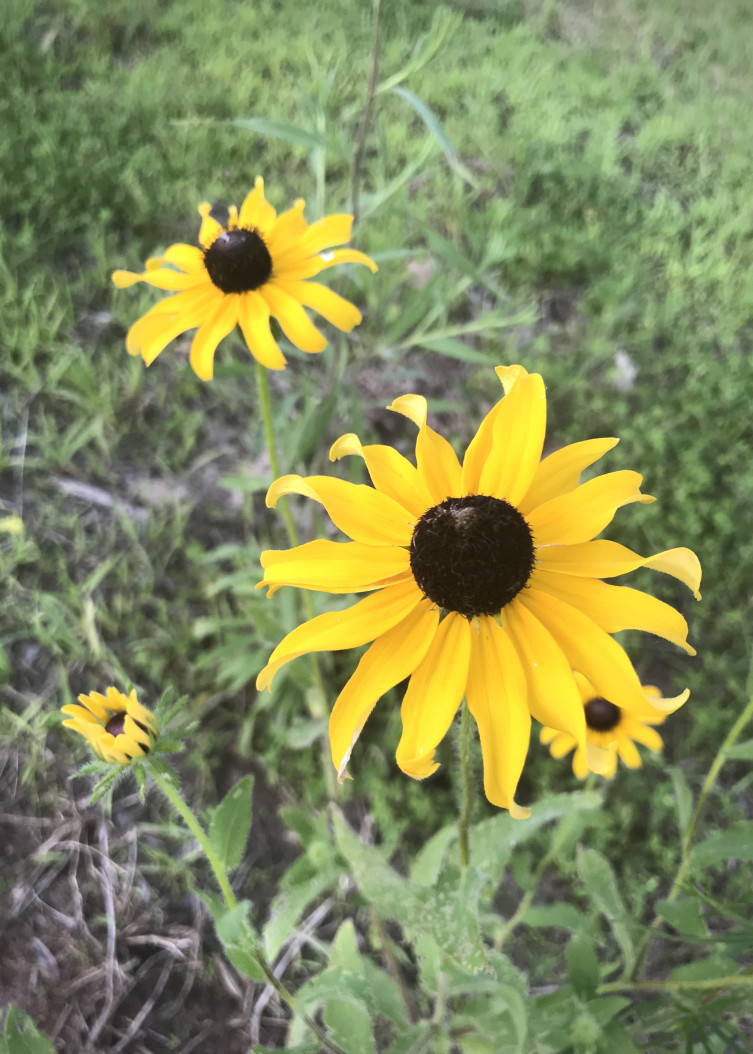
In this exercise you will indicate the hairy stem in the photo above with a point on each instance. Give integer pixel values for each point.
(466, 784)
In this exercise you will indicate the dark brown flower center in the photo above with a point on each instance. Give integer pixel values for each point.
(116, 725)
(601, 715)
(472, 555)
(238, 261)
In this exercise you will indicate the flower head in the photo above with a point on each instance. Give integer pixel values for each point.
(484, 581)
(610, 731)
(245, 272)
(116, 726)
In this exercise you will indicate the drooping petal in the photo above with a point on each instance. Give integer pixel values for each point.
(333, 567)
(629, 753)
(390, 472)
(363, 622)
(334, 308)
(605, 559)
(433, 696)
(157, 328)
(517, 441)
(436, 461)
(581, 514)
(560, 472)
(497, 697)
(389, 660)
(361, 512)
(222, 321)
(253, 318)
(296, 325)
(616, 608)
(646, 735)
(553, 697)
(589, 649)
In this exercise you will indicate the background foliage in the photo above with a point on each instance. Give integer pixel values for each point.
(563, 184)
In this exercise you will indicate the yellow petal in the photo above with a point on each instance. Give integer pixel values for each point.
(296, 325)
(433, 696)
(298, 270)
(584, 512)
(160, 279)
(508, 375)
(629, 754)
(361, 512)
(616, 608)
(553, 696)
(253, 317)
(437, 462)
(334, 308)
(588, 649)
(222, 321)
(649, 737)
(210, 229)
(517, 441)
(560, 472)
(256, 210)
(389, 660)
(333, 567)
(604, 559)
(336, 630)
(187, 257)
(390, 472)
(326, 232)
(497, 698)
(288, 228)
(478, 450)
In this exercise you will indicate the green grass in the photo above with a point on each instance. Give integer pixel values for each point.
(594, 211)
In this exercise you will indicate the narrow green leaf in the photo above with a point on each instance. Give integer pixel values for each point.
(565, 915)
(290, 133)
(683, 797)
(434, 125)
(597, 875)
(741, 751)
(582, 965)
(231, 822)
(708, 969)
(21, 1036)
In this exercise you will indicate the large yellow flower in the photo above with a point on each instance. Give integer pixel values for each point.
(252, 269)
(485, 581)
(116, 726)
(610, 731)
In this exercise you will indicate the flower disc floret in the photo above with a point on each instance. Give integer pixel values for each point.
(255, 267)
(472, 555)
(483, 581)
(238, 261)
(116, 726)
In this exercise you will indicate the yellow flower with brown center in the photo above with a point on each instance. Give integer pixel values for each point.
(253, 268)
(116, 726)
(610, 731)
(484, 580)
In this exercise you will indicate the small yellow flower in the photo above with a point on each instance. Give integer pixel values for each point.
(483, 580)
(116, 726)
(253, 268)
(610, 731)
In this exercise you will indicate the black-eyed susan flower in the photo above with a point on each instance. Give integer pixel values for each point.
(484, 580)
(611, 732)
(116, 726)
(253, 268)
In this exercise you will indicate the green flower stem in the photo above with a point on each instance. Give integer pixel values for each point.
(317, 701)
(172, 794)
(709, 983)
(368, 109)
(466, 784)
(561, 835)
(687, 842)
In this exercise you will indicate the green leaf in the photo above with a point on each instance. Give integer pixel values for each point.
(21, 1036)
(239, 940)
(618, 1040)
(741, 751)
(709, 969)
(428, 860)
(605, 1008)
(554, 915)
(447, 911)
(582, 965)
(434, 125)
(597, 876)
(734, 843)
(290, 133)
(684, 916)
(493, 841)
(231, 822)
